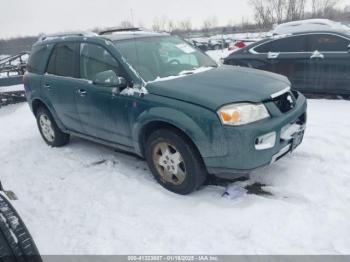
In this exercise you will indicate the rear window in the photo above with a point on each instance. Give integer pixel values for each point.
(63, 60)
(37, 59)
(289, 44)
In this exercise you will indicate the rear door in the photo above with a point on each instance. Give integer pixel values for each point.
(330, 60)
(288, 56)
(60, 81)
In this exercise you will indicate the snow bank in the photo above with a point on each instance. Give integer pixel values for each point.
(88, 199)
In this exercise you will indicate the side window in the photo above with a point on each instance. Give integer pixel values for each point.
(95, 59)
(63, 60)
(327, 43)
(288, 44)
(37, 58)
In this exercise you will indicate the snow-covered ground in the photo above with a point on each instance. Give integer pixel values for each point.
(87, 199)
(14, 88)
(218, 55)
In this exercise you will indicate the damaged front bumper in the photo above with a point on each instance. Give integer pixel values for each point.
(260, 144)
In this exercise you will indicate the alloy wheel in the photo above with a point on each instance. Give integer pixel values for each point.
(46, 128)
(169, 163)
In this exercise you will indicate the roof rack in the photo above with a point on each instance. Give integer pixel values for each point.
(114, 30)
(65, 34)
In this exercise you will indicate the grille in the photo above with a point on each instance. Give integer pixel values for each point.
(285, 102)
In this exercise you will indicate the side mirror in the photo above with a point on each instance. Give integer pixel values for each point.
(110, 79)
(349, 48)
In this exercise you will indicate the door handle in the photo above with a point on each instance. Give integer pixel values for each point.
(47, 86)
(82, 92)
(272, 55)
(317, 55)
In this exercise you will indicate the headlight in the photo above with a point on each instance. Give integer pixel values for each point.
(242, 114)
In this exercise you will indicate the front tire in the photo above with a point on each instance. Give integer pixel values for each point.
(174, 161)
(49, 130)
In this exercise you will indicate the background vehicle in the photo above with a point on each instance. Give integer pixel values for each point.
(16, 244)
(217, 44)
(236, 45)
(316, 62)
(201, 45)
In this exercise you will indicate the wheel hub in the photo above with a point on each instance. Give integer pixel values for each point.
(46, 128)
(169, 163)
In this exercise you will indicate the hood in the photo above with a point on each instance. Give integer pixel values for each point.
(221, 86)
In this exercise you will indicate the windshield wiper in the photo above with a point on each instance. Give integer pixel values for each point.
(196, 70)
(187, 72)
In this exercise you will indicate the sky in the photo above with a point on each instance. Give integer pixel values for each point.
(24, 17)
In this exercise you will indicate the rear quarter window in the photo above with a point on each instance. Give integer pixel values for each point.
(37, 59)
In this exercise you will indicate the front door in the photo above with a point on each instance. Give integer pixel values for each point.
(288, 56)
(98, 106)
(295, 66)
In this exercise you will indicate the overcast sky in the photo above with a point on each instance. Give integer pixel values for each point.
(24, 17)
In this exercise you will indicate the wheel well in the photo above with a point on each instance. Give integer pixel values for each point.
(36, 105)
(149, 128)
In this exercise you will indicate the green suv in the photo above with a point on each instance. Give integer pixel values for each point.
(159, 97)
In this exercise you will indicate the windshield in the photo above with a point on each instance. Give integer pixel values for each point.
(163, 56)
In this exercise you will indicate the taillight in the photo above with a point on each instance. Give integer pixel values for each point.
(240, 44)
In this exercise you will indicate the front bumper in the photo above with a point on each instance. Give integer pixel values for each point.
(243, 155)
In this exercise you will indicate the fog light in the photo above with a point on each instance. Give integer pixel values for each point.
(266, 141)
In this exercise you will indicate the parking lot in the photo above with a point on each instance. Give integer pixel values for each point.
(88, 199)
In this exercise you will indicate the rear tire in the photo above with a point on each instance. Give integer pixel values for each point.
(49, 130)
(16, 244)
(174, 161)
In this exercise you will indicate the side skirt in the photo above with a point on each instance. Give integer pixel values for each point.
(116, 146)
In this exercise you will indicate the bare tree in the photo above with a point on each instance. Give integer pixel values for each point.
(171, 26)
(126, 24)
(263, 13)
(160, 24)
(278, 9)
(209, 23)
(269, 12)
(185, 25)
(323, 8)
(295, 10)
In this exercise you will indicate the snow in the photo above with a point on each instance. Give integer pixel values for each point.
(218, 55)
(182, 74)
(85, 198)
(14, 88)
(4, 56)
(310, 25)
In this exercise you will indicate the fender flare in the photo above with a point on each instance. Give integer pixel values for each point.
(51, 110)
(177, 119)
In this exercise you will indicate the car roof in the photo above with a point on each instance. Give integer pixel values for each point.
(112, 34)
(310, 25)
(124, 35)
